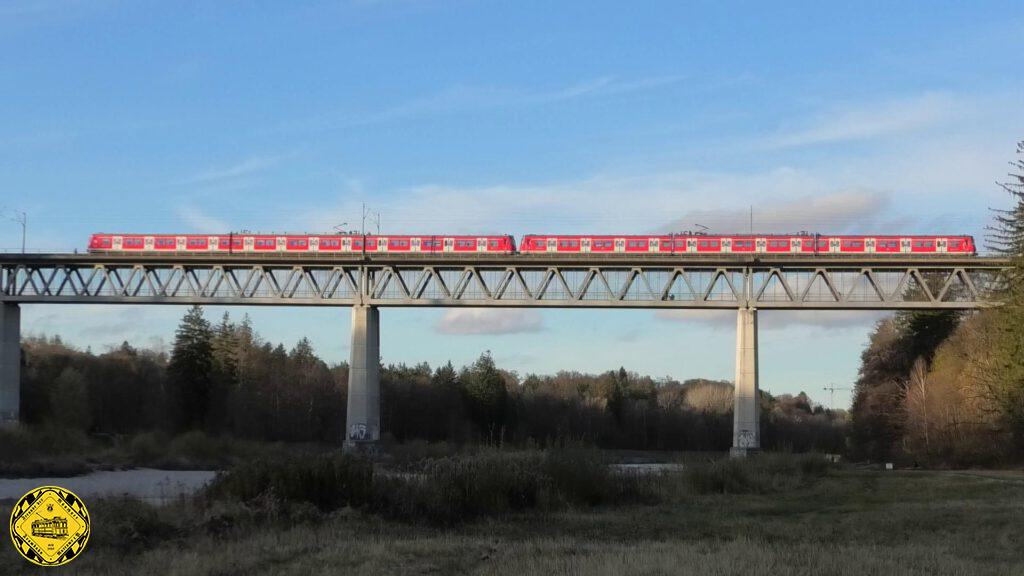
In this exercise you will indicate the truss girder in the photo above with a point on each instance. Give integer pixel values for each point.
(821, 286)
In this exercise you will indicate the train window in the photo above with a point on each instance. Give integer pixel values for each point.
(634, 243)
(703, 243)
(680, 243)
(666, 244)
(431, 244)
(465, 244)
(956, 243)
(293, 243)
(779, 243)
(494, 243)
(132, 242)
(196, 242)
(602, 243)
(357, 244)
(853, 244)
(923, 244)
(822, 244)
(165, 242)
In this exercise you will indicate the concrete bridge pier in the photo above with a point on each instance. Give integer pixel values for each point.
(10, 363)
(362, 422)
(746, 433)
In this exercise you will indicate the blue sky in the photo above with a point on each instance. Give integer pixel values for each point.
(508, 117)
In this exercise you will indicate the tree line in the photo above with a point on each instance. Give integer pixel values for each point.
(224, 378)
(948, 387)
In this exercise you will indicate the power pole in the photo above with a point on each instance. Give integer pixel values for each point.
(20, 217)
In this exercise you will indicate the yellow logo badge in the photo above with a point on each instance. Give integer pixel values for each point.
(50, 526)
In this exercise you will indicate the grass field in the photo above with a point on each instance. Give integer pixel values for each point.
(846, 522)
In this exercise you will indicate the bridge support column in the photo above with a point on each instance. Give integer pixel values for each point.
(362, 422)
(10, 363)
(746, 433)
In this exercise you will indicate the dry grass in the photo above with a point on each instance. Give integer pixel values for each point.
(852, 522)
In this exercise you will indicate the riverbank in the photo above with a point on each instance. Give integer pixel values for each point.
(848, 521)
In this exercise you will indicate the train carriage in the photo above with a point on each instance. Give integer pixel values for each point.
(298, 244)
(747, 244)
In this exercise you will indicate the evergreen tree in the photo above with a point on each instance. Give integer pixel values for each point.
(1006, 237)
(224, 378)
(190, 368)
(486, 395)
(445, 377)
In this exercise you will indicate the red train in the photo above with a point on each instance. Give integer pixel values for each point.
(296, 244)
(665, 244)
(749, 243)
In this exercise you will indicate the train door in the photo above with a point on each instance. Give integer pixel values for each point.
(585, 244)
(905, 245)
(346, 244)
(869, 245)
(149, 243)
(481, 244)
(552, 245)
(726, 245)
(652, 244)
(691, 244)
(415, 244)
(248, 244)
(382, 244)
(314, 244)
(620, 244)
(940, 245)
(834, 245)
(794, 245)
(281, 243)
(180, 244)
(761, 245)
(117, 243)
(449, 244)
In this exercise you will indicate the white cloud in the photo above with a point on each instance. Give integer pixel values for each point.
(786, 200)
(865, 121)
(851, 211)
(778, 319)
(234, 171)
(471, 98)
(202, 222)
(489, 321)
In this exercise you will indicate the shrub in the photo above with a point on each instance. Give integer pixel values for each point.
(756, 475)
(466, 486)
(325, 481)
(129, 525)
(147, 448)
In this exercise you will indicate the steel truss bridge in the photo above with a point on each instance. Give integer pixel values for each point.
(511, 281)
(746, 283)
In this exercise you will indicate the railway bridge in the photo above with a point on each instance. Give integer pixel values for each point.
(367, 283)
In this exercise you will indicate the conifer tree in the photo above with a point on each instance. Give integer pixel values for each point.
(1005, 381)
(190, 368)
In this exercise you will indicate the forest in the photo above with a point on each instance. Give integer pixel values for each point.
(225, 379)
(947, 388)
